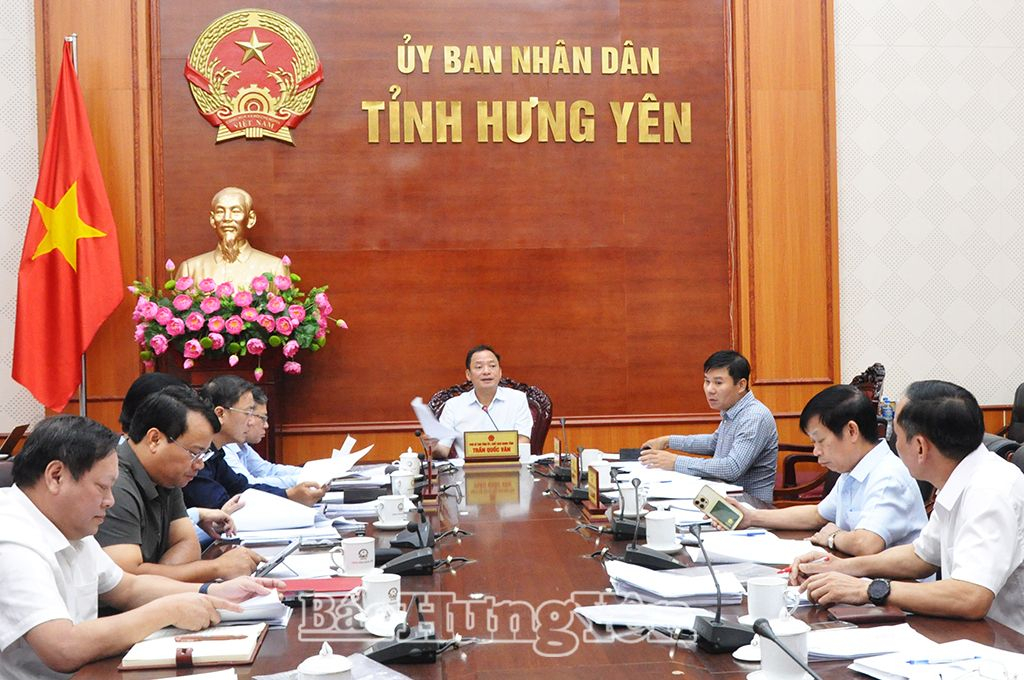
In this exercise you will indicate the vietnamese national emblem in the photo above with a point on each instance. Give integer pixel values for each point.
(253, 73)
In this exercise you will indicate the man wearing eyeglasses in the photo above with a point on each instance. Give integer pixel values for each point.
(147, 531)
(234, 406)
(246, 461)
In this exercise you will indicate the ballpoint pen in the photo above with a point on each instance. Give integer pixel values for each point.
(787, 570)
(936, 662)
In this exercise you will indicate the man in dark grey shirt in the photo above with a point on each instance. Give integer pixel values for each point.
(147, 530)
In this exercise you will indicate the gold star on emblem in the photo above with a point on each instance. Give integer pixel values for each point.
(64, 227)
(253, 48)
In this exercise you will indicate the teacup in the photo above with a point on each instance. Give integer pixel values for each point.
(358, 555)
(391, 509)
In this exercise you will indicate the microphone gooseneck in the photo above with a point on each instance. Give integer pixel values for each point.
(695, 530)
(487, 413)
(636, 495)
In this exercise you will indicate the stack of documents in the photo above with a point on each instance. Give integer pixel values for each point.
(960, 658)
(264, 511)
(853, 643)
(664, 587)
(642, 615)
(267, 608)
(758, 546)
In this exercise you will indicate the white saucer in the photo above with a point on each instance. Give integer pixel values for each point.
(380, 626)
(391, 526)
(667, 549)
(760, 675)
(751, 653)
(373, 572)
(616, 512)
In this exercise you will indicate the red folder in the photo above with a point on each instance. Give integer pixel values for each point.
(321, 587)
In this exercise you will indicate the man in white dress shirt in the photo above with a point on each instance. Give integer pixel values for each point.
(487, 406)
(975, 535)
(54, 573)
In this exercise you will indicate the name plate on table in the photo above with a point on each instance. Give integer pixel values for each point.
(491, 446)
(574, 469)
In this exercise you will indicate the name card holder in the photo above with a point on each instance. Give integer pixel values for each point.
(491, 447)
(593, 509)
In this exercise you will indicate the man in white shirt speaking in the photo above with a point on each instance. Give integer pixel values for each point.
(54, 573)
(488, 406)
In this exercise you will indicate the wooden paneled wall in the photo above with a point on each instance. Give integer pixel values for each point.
(774, 293)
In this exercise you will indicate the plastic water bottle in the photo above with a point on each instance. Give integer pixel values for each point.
(889, 413)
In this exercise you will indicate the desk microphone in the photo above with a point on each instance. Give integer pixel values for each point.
(412, 644)
(416, 534)
(565, 440)
(622, 528)
(642, 555)
(764, 629)
(488, 414)
(713, 634)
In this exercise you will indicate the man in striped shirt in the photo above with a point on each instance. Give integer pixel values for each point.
(743, 450)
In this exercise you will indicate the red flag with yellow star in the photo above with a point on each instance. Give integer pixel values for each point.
(69, 280)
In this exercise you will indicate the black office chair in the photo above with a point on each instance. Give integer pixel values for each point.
(1000, 445)
(6, 478)
(1017, 458)
(538, 401)
(1015, 430)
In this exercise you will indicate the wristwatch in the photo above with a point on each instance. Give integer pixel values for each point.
(831, 541)
(878, 591)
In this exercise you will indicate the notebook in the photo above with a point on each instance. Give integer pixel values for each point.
(174, 647)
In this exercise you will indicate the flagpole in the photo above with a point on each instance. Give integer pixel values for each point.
(82, 397)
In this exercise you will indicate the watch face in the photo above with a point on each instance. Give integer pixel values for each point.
(878, 590)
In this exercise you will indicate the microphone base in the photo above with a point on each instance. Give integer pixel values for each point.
(623, 528)
(561, 473)
(718, 637)
(423, 537)
(652, 559)
(419, 647)
(414, 563)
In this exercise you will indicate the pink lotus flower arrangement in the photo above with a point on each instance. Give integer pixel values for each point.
(206, 318)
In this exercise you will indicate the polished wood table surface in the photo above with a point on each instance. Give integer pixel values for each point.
(530, 567)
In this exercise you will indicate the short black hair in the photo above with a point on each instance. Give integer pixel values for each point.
(145, 385)
(225, 390)
(168, 410)
(259, 396)
(481, 348)
(838, 405)
(739, 367)
(77, 442)
(946, 414)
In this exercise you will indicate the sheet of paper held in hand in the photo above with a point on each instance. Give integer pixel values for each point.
(431, 426)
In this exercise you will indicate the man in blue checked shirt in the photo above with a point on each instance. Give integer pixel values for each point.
(243, 459)
(743, 450)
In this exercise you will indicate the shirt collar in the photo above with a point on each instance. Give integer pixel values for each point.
(961, 475)
(49, 534)
(126, 456)
(863, 468)
(738, 407)
(497, 396)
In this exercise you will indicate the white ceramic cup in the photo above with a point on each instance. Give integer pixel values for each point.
(604, 471)
(381, 595)
(402, 483)
(357, 555)
(408, 462)
(391, 509)
(768, 597)
(524, 452)
(588, 457)
(661, 529)
(628, 498)
(775, 663)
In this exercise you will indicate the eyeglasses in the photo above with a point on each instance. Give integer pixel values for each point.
(197, 456)
(251, 414)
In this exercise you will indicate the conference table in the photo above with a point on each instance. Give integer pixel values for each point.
(530, 566)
